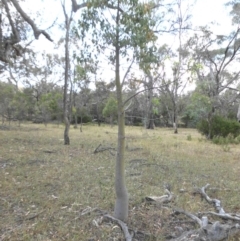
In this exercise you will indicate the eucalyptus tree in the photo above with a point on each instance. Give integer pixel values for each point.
(110, 109)
(99, 98)
(235, 11)
(216, 58)
(117, 27)
(66, 101)
(19, 22)
(177, 58)
(7, 92)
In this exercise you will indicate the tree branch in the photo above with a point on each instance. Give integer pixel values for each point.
(37, 32)
(14, 30)
(140, 91)
(76, 7)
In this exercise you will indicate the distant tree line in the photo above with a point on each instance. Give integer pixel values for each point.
(43, 103)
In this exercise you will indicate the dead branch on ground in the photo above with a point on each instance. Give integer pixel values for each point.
(123, 226)
(162, 199)
(102, 149)
(207, 231)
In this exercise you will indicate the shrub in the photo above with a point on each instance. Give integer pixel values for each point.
(219, 127)
(189, 137)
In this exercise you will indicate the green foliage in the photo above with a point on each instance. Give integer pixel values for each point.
(110, 108)
(199, 106)
(136, 19)
(219, 127)
(49, 106)
(156, 104)
(229, 139)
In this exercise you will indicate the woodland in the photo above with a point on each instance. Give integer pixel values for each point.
(129, 64)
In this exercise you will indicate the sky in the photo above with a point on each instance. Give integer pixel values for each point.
(203, 13)
(207, 11)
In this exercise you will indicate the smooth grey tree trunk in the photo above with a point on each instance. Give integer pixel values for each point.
(68, 21)
(238, 114)
(121, 204)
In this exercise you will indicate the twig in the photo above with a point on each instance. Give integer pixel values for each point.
(128, 236)
(98, 149)
(193, 217)
(33, 216)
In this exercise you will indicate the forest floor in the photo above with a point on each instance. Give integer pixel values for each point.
(49, 191)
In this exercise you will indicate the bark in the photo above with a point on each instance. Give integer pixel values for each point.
(175, 121)
(68, 21)
(150, 116)
(121, 205)
(238, 114)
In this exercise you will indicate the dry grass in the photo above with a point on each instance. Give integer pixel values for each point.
(47, 188)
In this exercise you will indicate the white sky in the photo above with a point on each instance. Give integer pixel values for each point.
(203, 13)
(206, 11)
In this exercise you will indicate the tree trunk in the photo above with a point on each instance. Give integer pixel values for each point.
(75, 121)
(150, 115)
(111, 121)
(81, 125)
(175, 122)
(238, 114)
(66, 73)
(121, 205)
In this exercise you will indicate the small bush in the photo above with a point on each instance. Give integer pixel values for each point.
(237, 139)
(219, 127)
(189, 137)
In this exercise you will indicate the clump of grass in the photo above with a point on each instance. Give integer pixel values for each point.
(230, 139)
(189, 137)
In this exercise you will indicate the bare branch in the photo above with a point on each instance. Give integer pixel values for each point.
(127, 72)
(115, 8)
(132, 96)
(76, 7)
(216, 202)
(14, 30)
(37, 32)
(193, 217)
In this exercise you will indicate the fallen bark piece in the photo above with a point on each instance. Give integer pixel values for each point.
(215, 232)
(162, 199)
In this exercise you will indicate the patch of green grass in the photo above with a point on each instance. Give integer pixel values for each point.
(47, 188)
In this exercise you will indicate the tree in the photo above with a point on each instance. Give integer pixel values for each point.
(16, 18)
(174, 85)
(110, 109)
(66, 101)
(7, 92)
(99, 98)
(217, 75)
(121, 32)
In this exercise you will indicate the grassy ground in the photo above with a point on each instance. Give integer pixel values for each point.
(49, 191)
